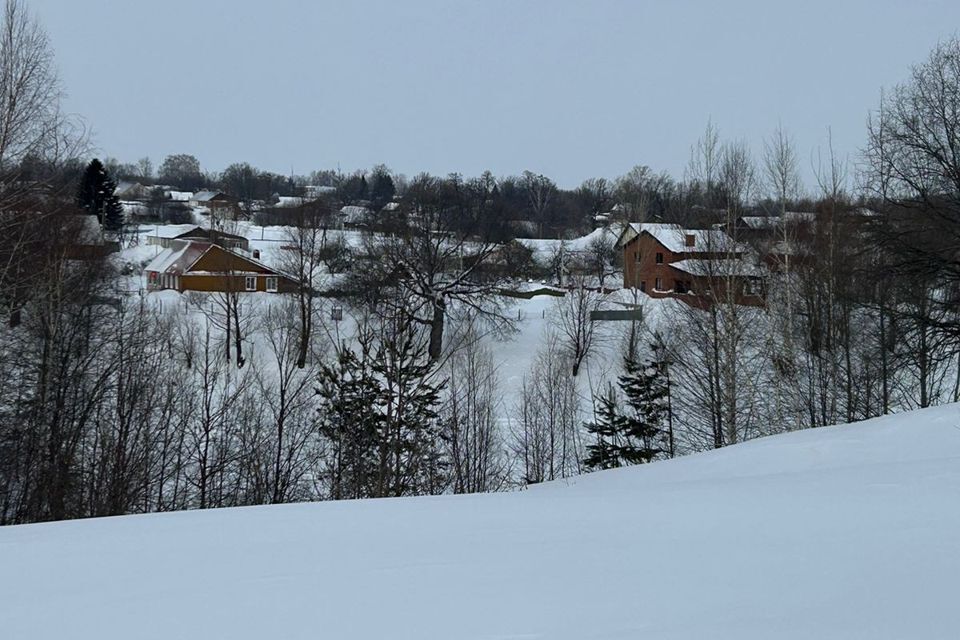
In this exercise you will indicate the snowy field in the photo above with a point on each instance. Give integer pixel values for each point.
(844, 532)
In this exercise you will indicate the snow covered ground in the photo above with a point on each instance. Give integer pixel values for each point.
(844, 532)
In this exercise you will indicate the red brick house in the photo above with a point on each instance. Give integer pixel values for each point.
(190, 265)
(695, 265)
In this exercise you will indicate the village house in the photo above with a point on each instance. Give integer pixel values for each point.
(165, 236)
(216, 202)
(87, 241)
(694, 265)
(193, 265)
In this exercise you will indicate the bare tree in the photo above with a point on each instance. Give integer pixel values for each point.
(29, 87)
(573, 321)
(546, 433)
(304, 261)
(435, 262)
(541, 192)
(471, 419)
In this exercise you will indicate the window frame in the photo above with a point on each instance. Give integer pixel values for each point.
(274, 287)
(659, 258)
(246, 283)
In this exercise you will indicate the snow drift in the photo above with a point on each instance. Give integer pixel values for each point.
(844, 532)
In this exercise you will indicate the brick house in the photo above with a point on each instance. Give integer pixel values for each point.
(191, 265)
(695, 265)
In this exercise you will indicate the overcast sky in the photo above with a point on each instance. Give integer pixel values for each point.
(569, 89)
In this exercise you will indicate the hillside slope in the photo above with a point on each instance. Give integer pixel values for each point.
(845, 532)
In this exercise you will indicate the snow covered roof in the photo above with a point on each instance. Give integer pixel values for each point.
(206, 196)
(179, 196)
(770, 222)
(172, 230)
(675, 238)
(354, 213)
(125, 186)
(290, 201)
(760, 222)
(178, 258)
(718, 267)
(185, 253)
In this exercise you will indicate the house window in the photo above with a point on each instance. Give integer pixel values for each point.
(643, 285)
(251, 283)
(271, 283)
(659, 259)
(657, 284)
(680, 286)
(637, 255)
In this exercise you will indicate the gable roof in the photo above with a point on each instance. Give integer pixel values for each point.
(207, 196)
(201, 232)
(674, 238)
(177, 259)
(185, 254)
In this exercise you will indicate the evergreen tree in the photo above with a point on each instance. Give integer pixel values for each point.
(635, 434)
(351, 421)
(95, 196)
(414, 463)
(645, 387)
(608, 427)
(112, 218)
(382, 188)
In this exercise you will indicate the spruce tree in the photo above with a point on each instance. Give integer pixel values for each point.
(351, 421)
(645, 387)
(608, 428)
(411, 397)
(112, 218)
(95, 196)
(635, 433)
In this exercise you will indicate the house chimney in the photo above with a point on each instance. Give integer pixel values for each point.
(690, 240)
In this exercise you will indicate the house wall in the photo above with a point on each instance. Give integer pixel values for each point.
(640, 268)
(223, 282)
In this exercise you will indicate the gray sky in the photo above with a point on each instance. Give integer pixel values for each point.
(569, 89)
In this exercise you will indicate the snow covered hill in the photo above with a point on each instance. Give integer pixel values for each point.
(845, 532)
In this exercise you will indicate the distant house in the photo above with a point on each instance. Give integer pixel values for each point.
(166, 236)
(190, 265)
(217, 202)
(178, 196)
(354, 215)
(128, 190)
(87, 239)
(695, 265)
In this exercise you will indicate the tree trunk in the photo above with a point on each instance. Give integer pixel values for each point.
(436, 329)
